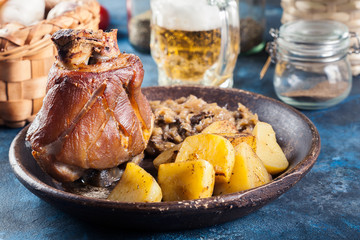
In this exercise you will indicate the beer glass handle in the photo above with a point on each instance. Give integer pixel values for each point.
(230, 39)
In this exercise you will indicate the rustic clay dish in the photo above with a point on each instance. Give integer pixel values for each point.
(296, 134)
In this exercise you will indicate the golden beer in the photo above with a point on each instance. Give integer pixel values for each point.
(195, 42)
(185, 55)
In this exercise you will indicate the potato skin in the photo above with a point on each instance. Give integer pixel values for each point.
(213, 148)
(223, 126)
(136, 185)
(167, 156)
(248, 172)
(237, 138)
(268, 149)
(186, 180)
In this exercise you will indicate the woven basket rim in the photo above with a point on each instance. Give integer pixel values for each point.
(31, 48)
(26, 61)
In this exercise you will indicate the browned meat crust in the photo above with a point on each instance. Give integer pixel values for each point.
(77, 48)
(92, 117)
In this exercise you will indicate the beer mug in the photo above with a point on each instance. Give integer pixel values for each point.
(195, 41)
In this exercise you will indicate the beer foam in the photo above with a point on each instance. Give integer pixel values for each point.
(188, 15)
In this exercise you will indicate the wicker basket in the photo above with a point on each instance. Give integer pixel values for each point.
(345, 11)
(26, 55)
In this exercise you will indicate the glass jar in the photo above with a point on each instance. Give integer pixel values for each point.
(139, 16)
(312, 69)
(252, 25)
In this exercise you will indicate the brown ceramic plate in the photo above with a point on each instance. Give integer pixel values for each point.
(296, 134)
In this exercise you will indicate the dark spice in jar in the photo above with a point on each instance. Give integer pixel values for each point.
(139, 31)
(251, 34)
(321, 91)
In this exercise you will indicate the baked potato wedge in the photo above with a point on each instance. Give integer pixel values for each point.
(237, 138)
(186, 180)
(268, 149)
(224, 126)
(136, 185)
(248, 172)
(167, 156)
(213, 148)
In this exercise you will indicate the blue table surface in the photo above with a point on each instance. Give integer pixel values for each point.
(325, 204)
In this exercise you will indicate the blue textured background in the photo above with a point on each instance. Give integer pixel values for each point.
(323, 205)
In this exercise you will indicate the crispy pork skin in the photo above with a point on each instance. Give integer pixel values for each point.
(94, 115)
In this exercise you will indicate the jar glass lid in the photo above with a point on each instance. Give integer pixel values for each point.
(313, 40)
(322, 32)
